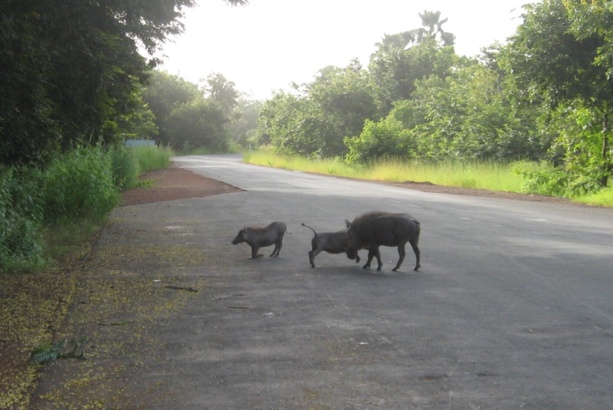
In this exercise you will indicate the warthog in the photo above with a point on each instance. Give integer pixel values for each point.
(260, 237)
(331, 242)
(374, 229)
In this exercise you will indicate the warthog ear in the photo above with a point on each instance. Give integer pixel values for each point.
(347, 223)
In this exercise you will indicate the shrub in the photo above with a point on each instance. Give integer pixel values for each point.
(150, 158)
(125, 167)
(545, 179)
(383, 140)
(20, 220)
(80, 185)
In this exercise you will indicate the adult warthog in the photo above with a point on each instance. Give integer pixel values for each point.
(375, 229)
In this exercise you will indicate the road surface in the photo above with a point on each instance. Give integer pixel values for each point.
(512, 308)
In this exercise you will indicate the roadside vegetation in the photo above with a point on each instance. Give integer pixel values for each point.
(49, 218)
(532, 115)
(488, 175)
(43, 210)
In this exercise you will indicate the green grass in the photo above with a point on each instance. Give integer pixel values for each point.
(490, 175)
(150, 158)
(602, 198)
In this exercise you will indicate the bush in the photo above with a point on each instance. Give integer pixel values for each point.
(80, 185)
(125, 167)
(545, 179)
(20, 220)
(76, 190)
(150, 158)
(383, 140)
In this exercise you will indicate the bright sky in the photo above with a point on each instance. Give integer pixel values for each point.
(265, 46)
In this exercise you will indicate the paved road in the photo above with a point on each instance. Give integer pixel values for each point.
(512, 309)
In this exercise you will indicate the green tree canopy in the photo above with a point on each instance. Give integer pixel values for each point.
(328, 109)
(164, 94)
(221, 91)
(549, 57)
(433, 28)
(198, 123)
(67, 68)
(185, 118)
(403, 58)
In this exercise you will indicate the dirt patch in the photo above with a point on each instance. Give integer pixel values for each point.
(173, 183)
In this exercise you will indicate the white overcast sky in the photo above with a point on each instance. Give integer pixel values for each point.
(268, 44)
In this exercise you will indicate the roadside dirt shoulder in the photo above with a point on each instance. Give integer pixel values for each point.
(173, 183)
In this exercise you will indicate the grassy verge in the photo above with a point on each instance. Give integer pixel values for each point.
(603, 198)
(489, 175)
(49, 220)
(484, 175)
(151, 158)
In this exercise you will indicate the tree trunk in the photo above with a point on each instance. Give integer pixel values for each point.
(606, 161)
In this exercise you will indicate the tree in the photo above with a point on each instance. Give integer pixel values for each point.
(404, 57)
(221, 92)
(291, 124)
(470, 116)
(594, 19)
(184, 117)
(549, 58)
(465, 116)
(198, 123)
(164, 94)
(345, 99)
(385, 139)
(137, 123)
(67, 68)
(315, 122)
(242, 129)
(433, 28)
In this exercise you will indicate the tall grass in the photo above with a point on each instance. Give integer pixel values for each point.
(488, 175)
(150, 158)
(47, 212)
(78, 185)
(602, 198)
(21, 219)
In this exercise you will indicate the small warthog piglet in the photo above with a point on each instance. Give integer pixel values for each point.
(331, 242)
(262, 237)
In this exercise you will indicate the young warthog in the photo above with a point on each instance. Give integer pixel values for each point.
(261, 237)
(374, 229)
(331, 242)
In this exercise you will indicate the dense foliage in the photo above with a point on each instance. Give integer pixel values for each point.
(545, 96)
(189, 116)
(80, 185)
(71, 72)
(72, 80)
(314, 123)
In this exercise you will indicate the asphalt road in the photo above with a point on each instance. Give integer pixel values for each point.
(513, 307)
